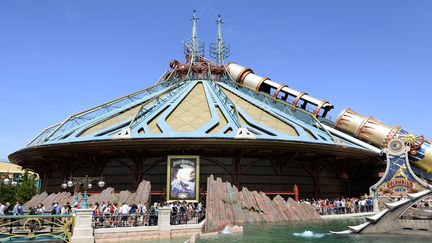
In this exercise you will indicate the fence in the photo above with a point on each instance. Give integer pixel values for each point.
(36, 227)
(118, 220)
(187, 218)
(135, 220)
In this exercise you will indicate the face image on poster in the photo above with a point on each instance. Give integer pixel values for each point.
(183, 172)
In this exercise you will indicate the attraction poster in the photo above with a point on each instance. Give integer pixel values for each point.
(183, 178)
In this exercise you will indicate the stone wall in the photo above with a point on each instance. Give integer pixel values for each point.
(225, 204)
(148, 233)
(126, 234)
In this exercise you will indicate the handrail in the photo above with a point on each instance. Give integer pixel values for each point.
(36, 227)
(35, 216)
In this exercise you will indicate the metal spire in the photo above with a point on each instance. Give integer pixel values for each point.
(194, 48)
(194, 32)
(219, 59)
(220, 50)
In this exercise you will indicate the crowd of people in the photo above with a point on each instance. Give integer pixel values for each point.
(182, 212)
(356, 205)
(5, 209)
(145, 214)
(115, 215)
(342, 205)
(142, 214)
(425, 204)
(17, 209)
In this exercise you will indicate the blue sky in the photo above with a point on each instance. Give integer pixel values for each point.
(60, 57)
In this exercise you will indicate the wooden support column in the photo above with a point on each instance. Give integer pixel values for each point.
(137, 169)
(46, 174)
(236, 168)
(314, 168)
(316, 175)
(138, 165)
(66, 170)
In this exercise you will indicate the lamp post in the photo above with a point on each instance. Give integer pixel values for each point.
(7, 180)
(86, 181)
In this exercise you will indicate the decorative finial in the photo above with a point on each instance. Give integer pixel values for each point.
(194, 49)
(219, 50)
(194, 32)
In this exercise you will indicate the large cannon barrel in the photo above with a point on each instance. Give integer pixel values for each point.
(246, 77)
(365, 128)
(379, 134)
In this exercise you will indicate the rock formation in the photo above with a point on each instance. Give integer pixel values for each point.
(225, 204)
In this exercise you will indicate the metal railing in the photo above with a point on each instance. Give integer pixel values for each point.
(332, 210)
(147, 219)
(119, 220)
(187, 218)
(36, 228)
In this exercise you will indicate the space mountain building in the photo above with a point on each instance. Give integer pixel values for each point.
(243, 127)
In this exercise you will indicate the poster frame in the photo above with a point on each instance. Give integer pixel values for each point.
(197, 177)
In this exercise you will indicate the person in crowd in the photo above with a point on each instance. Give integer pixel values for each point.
(97, 214)
(17, 210)
(41, 209)
(369, 204)
(64, 209)
(32, 211)
(124, 211)
(6, 209)
(174, 212)
(106, 214)
(115, 214)
(140, 212)
(102, 207)
(153, 214)
(73, 210)
(2, 209)
(54, 208)
(200, 207)
(69, 207)
(146, 214)
(133, 215)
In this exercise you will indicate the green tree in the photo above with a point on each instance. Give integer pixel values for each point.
(26, 188)
(7, 194)
(22, 192)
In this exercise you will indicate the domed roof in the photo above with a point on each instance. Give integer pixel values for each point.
(196, 109)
